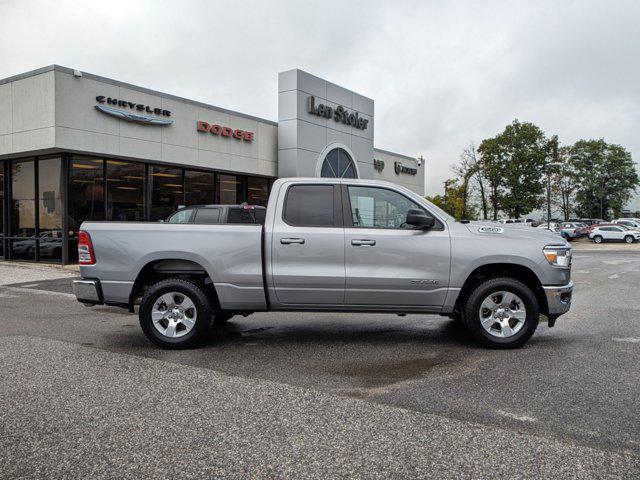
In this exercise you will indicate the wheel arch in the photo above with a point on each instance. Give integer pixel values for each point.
(163, 268)
(511, 270)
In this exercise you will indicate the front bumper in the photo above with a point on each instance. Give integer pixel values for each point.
(88, 291)
(559, 299)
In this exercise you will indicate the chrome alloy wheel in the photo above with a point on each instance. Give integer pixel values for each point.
(174, 314)
(502, 314)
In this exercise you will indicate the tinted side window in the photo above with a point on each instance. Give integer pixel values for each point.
(182, 216)
(309, 206)
(240, 215)
(207, 215)
(260, 215)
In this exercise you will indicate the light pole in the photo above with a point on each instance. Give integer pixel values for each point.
(549, 166)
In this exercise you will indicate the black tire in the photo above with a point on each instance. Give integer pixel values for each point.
(629, 239)
(220, 318)
(202, 306)
(471, 314)
(597, 239)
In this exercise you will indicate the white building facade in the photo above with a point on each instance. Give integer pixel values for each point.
(75, 147)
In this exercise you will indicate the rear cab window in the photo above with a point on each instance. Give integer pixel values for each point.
(246, 215)
(181, 216)
(311, 206)
(207, 215)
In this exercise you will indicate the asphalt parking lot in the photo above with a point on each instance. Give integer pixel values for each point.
(83, 394)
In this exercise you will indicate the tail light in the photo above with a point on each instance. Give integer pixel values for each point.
(85, 249)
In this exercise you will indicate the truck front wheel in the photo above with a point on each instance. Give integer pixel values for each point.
(501, 313)
(175, 313)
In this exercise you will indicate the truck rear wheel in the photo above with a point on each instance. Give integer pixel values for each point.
(501, 313)
(175, 313)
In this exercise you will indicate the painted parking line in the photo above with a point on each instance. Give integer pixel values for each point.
(37, 292)
(626, 339)
(514, 416)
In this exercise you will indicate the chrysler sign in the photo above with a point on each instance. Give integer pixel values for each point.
(339, 114)
(109, 104)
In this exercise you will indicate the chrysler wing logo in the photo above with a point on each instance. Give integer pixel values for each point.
(132, 117)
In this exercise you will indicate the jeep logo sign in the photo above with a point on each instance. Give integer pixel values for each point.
(399, 168)
(339, 114)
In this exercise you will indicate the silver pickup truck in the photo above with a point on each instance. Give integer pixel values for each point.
(329, 245)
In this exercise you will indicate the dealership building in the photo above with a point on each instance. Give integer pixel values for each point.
(76, 146)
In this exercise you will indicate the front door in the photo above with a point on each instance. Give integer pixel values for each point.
(307, 260)
(389, 263)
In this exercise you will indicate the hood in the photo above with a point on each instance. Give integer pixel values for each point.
(514, 231)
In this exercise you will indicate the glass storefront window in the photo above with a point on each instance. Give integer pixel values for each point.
(230, 189)
(166, 191)
(50, 209)
(125, 191)
(198, 187)
(257, 191)
(86, 190)
(23, 202)
(50, 195)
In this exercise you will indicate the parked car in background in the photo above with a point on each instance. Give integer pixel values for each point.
(587, 221)
(575, 229)
(210, 214)
(553, 228)
(568, 231)
(509, 220)
(614, 232)
(545, 226)
(632, 225)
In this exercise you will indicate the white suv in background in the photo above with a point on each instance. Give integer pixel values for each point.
(631, 224)
(614, 232)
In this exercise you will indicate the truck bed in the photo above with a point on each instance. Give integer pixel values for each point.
(232, 251)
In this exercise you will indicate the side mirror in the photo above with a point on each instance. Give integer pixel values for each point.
(419, 219)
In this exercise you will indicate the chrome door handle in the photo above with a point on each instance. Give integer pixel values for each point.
(363, 243)
(289, 241)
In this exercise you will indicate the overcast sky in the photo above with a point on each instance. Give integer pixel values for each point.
(442, 74)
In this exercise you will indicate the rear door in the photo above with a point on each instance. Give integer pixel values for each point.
(307, 258)
(389, 263)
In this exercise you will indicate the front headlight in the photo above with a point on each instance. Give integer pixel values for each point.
(557, 256)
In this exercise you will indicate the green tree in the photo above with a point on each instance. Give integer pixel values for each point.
(564, 183)
(606, 177)
(454, 201)
(492, 165)
(470, 176)
(521, 152)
